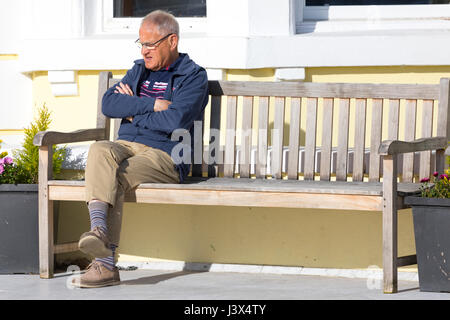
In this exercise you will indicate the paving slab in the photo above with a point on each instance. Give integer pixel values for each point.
(188, 285)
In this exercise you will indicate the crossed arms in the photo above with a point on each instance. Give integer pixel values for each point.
(159, 105)
(187, 103)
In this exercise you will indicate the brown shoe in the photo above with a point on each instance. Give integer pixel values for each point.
(95, 243)
(96, 276)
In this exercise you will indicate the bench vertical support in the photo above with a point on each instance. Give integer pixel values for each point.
(390, 223)
(102, 120)
(46, 244)
(443, 118)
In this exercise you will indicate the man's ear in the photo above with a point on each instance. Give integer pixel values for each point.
(173, 41)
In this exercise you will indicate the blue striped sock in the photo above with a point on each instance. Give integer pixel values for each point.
(97, 212)
(108, 262)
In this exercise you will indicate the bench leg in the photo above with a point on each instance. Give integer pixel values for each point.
(390, 224)
(46, 247)
(46, 244)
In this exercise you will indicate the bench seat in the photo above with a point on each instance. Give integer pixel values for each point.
(251, 192)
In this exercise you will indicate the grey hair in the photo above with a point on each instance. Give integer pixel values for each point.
(165, 22)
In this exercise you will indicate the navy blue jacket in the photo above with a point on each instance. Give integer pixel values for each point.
(187, 90)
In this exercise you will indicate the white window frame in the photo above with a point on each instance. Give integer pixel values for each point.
(130, 25)
(372, 17)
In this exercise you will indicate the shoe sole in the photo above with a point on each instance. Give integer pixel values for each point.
(94, 246)
(95, 285)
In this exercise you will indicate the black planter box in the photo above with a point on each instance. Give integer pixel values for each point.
(19, 237)
(432, 235)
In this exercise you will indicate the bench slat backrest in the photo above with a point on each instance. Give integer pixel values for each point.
(263, 142)
(334, 129)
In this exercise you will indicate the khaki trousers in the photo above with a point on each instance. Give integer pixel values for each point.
(114, 168)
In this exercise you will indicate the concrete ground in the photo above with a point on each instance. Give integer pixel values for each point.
(188, 285)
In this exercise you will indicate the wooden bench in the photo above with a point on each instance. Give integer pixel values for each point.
(306, 181)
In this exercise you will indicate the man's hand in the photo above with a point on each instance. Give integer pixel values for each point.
(161, 105)
(123, 89)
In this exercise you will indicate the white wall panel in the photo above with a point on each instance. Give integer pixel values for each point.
(10, 27)
(15, 96)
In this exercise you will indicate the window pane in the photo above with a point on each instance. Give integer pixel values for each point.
(371, 2)
(179, 8)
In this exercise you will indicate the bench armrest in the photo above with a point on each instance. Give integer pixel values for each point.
(48, 138)
(390, 147)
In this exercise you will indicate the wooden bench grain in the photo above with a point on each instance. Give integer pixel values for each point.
(224, 177)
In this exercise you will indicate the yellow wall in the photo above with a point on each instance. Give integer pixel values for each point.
(267, 236)
(10, 132)
(9, 56)
(390, 74)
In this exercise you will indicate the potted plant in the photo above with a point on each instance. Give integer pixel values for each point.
(431, 217)
(19, 251)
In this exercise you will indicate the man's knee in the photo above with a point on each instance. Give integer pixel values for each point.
(102, 151)
(100, 147)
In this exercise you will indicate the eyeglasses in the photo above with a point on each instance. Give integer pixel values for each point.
(151, 46)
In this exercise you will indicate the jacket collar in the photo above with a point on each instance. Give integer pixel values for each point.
(186, 65)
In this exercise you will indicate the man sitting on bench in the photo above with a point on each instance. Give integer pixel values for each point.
(163, 92)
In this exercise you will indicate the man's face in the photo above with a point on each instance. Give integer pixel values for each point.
(159, 57)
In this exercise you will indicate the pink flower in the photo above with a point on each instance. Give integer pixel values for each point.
(443, 176)
(435, 173)
(1, 168)
(424, 180)
(7, 160)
